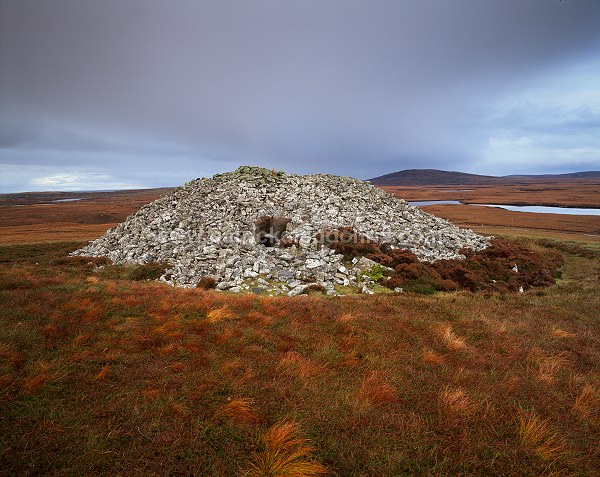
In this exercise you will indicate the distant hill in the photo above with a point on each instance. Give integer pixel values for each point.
(571, 175)
(413, 177)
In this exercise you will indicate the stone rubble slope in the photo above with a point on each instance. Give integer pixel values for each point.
(208, 228)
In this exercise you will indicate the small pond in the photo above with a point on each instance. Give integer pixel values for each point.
(545, 210)
(435, 202)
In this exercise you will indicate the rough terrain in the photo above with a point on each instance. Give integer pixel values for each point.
(255, 228)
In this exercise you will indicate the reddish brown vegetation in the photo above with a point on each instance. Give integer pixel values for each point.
(38, 219)
(150, 271)
(490, 269)
(314, 288)
(207, 283)
(239, 410)
(134, 377)
(560, 194)
(375, 390)
(446, 358)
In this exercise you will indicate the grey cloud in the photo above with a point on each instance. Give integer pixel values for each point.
(346, 86)
(531, 118)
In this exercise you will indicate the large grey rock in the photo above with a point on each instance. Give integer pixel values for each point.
(297, 290)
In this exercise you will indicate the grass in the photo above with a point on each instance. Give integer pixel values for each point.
(587, 403)
(535, 435)
(286, 453)
(239, 410)
(108, 375)
(219, 314)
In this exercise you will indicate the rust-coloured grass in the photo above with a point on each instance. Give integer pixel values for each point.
(346, 318)
(300, 364)
(376, 390)
(455, 401)
(535, 434)
(239, 410)
(431, 357)
(452, 341)
(219, 314)
(560, 333)
(549, 366)
(587, 403)
(387, 385)
(102, 373)
(286, 453)
(43, 376)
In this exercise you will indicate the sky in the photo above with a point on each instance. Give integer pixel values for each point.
(113, 94)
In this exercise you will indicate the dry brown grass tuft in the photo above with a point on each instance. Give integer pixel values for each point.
(239, 410)
(33, 383)
(302, 365)
(102, 373)
(219, 314)
(461, 374)
(351, 359)
(451, 340)
(178, 366)
(79, 356)
(549, 366)
(167, 328)
(560, 333)
(455, 402)
(169, 348)
(259, 318)
(81, 338)
(286, 453)
(535, 435)
(248, 375)
(237, 372)
(375, 390)
(587, 403)
(225, 336)
(346, 318)
(431, 357)
(231, 367)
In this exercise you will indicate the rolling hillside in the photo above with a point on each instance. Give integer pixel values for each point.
(413, 177)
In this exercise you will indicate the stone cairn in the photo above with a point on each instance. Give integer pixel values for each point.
(258, 230)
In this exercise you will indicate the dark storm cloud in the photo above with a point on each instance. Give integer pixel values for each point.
(122, 87)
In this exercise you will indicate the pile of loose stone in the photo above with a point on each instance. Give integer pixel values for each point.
(208, 227)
